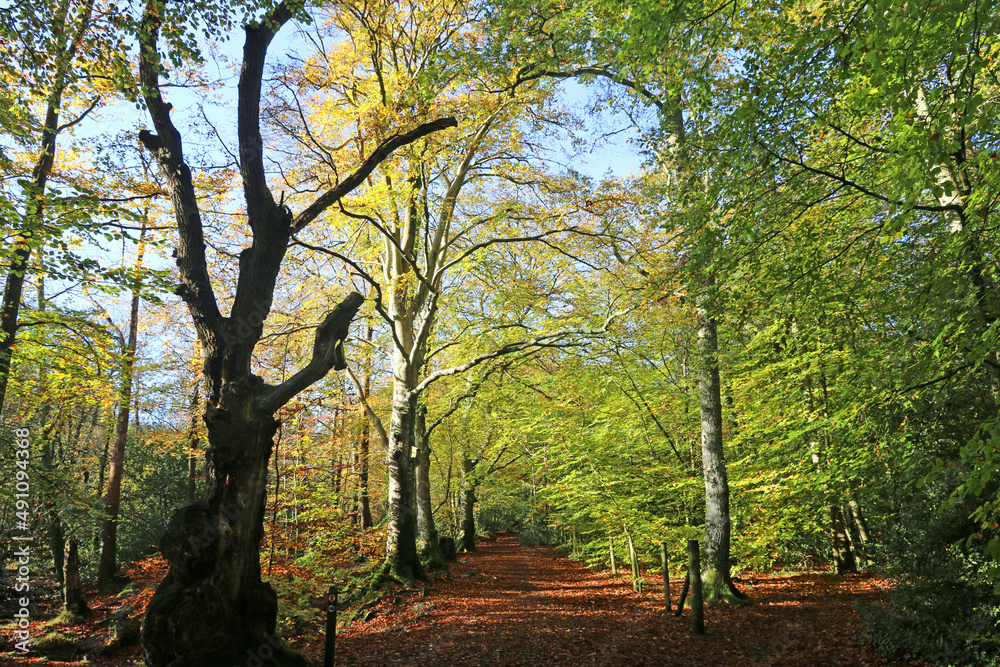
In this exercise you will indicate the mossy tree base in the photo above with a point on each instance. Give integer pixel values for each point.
(432, 559)
(406, 576)
(718, 588)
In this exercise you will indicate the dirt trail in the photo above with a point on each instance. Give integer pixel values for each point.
(511, 605)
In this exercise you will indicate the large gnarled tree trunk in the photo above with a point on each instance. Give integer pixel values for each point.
(212, 608)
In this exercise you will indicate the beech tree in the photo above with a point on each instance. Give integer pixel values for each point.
(212, 607)
(679, 87)
(433, 210)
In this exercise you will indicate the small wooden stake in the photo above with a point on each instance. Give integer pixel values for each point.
(666, 575)
(684, 594)
(697, 603)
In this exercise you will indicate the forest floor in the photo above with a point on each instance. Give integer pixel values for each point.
(508, 605)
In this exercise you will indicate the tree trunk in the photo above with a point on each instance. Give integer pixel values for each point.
(859, 521)
(634, 562)
(843, 556)
(57, 539)
(212, 604)
(840, 545)
(716, 578)
(57, 544)
(364, 444)
(402, 559)
(112, 498)
(468, 504)
(212, 608)
(73, 597)
(193, 441)
(364, 500)
(427, 535)
(34, 193)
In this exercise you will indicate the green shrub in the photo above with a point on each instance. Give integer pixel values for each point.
(504, 517)
(938, 610)
(949, 625)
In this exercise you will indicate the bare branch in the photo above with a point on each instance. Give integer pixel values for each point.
(383, 151)
(195, 288)
(372, 417)
(328, 353)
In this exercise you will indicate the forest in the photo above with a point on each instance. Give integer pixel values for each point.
(304, 295)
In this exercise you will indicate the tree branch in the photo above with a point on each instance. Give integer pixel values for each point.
(258, 196)
(328, 353)
(532, 72)
(545, 340)
(195, 288)
(378, 155)
(372, 417)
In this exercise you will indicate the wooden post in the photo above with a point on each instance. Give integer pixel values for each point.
(330, 657)
(697, 603)
(684, 594)
(614, 566)
(666, 575)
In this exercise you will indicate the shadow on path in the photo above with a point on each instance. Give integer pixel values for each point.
(509, 605)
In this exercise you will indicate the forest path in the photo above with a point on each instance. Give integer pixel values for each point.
(509, 605)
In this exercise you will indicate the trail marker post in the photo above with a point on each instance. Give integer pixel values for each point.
(330, 657)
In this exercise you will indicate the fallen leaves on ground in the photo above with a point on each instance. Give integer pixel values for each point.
(509, 605)
(92, 635)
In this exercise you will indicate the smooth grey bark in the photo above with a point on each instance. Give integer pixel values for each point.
(716, 578)
(427, 534)
(364, 443)
(402, 560)
(859, 520)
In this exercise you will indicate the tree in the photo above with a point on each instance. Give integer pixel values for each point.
(902, 142)
(430, 210)
(54, 54)
(212, 607)
(112, 498)
(652, 52)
